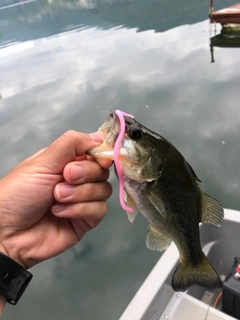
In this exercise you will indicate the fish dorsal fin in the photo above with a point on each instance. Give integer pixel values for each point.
(157, 203)
(190, 169)
(156, 240)
(130, 204)
(212, 211)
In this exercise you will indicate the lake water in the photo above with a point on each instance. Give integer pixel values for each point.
(64, 62)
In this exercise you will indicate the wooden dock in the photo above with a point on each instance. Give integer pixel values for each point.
(223, 42)
(225, 16)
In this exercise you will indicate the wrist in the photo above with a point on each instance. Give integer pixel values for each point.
(14, 256)
(14, 280)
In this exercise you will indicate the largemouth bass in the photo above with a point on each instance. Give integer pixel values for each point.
(161, 184)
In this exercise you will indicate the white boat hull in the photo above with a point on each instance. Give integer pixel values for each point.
(156, 300)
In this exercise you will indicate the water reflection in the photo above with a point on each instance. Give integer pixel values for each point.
(54, 78)
(224, 41)
(28, 20)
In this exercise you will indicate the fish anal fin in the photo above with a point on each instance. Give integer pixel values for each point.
(156, 240)
(212, 211)
(130, 204)
(203, 275)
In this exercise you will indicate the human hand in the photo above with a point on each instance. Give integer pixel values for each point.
(50, 200)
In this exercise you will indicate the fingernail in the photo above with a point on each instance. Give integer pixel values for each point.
(59, 208)
(64, 190)
(97, 136)
(77, 172)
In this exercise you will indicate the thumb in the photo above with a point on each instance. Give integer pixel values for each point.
(65, 149)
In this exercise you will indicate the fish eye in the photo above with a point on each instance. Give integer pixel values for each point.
(135, 133)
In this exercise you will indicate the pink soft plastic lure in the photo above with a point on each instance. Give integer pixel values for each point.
(120, 115)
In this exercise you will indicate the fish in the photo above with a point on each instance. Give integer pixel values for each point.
(161, 185)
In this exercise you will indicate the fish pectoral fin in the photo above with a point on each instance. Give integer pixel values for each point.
(131, 216)
(157, 203)
(156, 240)
(128, 200)
(212, 211)
(202, 274)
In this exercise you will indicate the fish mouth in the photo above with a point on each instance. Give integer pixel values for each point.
(108, 124)
(110, 128)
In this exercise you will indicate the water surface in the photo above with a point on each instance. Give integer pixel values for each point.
(64, 62)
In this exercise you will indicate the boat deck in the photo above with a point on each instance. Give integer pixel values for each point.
(228, 15)
(182, 306)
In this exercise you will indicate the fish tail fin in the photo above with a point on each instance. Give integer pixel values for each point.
(203, 275)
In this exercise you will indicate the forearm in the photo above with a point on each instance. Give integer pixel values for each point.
(2, 298)
(2, 304)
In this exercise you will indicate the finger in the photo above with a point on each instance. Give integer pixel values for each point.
(81, 226)
(67, 193)
(84, 171)
(92, 212)
(99, 136)
(65, 149)
(104, 163)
